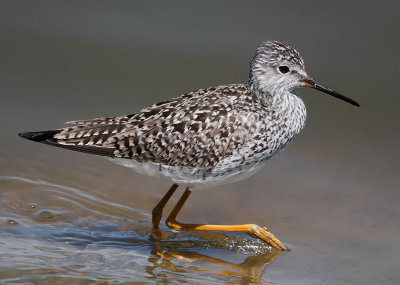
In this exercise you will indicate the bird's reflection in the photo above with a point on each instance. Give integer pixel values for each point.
(175, 260)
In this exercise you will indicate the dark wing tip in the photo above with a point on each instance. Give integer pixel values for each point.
(39, 136)
(47, 137)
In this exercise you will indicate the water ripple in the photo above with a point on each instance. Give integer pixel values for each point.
(53, 233)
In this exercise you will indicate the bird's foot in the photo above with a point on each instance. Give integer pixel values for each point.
(266, 236)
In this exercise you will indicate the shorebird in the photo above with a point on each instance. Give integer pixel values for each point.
(206, 137)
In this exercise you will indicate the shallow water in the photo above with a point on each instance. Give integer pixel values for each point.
(68, 235)
(333, 196)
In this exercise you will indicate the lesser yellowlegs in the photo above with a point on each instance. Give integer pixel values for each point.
(206, 137)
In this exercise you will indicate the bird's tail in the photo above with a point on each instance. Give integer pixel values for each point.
(43, 136)
(47, 137)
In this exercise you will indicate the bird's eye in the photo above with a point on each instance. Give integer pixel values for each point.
(283, 69)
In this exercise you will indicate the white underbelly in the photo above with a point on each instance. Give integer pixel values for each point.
(194, 178)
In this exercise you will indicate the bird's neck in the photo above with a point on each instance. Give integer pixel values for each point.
(264, 90)
(285, 103)
(273, 97)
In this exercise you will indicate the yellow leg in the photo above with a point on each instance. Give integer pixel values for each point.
(158, 209)
(251, 229)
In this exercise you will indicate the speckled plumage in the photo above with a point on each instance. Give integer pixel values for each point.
(208, 136)
(207, 133)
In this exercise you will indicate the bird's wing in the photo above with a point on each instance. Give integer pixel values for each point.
(101, 121)
(196, 129)
(196, 132)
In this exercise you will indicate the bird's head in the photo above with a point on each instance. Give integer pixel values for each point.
(278, 68)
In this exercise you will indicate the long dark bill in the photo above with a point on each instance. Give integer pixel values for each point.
(309, 82)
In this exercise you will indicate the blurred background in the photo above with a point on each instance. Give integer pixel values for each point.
(333, 196)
